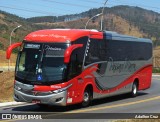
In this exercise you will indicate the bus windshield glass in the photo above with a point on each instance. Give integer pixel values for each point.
(41, 63)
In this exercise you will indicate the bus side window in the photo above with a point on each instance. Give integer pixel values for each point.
(97, 51)
(75, 65)
(93, 53)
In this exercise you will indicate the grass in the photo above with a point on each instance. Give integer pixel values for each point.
(156, 70)
(6, 88)
(4, 61)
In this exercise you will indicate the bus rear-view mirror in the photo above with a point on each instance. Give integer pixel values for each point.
(10, 48)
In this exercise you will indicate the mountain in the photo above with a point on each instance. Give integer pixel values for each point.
(128, 20)
(7, 23)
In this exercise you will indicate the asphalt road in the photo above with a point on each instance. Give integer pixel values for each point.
(146, 103)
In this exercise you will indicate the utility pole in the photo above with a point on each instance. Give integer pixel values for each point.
(91, 19)
(10, 42)
(103, 14)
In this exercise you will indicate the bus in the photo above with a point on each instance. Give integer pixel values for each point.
(69, 66)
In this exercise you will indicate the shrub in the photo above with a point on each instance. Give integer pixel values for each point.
(156, 70)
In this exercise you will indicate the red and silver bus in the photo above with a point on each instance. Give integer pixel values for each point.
(69, 66)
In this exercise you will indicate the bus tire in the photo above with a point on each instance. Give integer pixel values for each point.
(134, 89)
(87, 98)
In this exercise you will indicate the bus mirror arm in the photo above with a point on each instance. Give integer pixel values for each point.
(10, 48)
(69, 51)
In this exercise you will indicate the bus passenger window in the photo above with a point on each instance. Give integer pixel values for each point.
(97, 51)
(75, 66)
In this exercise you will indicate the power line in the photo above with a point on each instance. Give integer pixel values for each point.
(42, 12)
(52, 13)
(115, 1)
(90, 1)
(142, 5)
(53, 1)
(55, 8)
(29, 2)
(27, 10)
(68, 4)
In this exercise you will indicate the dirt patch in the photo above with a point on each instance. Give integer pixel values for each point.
(6, 87)
(156, 52)
(4, 61)
(2, 16)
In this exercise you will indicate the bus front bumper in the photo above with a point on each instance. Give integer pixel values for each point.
(57, 99)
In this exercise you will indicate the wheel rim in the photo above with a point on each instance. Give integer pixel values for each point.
(134, 89)
(86, 96)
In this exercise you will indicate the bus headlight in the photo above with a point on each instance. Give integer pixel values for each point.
(17, 87)
(62, 89)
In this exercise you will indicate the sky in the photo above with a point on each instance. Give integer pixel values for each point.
(34, 8)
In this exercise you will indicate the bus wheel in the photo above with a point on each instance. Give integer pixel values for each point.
(87, 97)
(134, 89)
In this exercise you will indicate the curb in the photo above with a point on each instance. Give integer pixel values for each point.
(155, 75)
(11, 103)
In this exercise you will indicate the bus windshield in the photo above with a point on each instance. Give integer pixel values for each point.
(41, 63)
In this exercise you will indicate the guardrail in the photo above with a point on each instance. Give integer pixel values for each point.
(5, 68)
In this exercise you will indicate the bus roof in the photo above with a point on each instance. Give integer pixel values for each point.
(116, 36)
(60, 35)
(65, 35)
